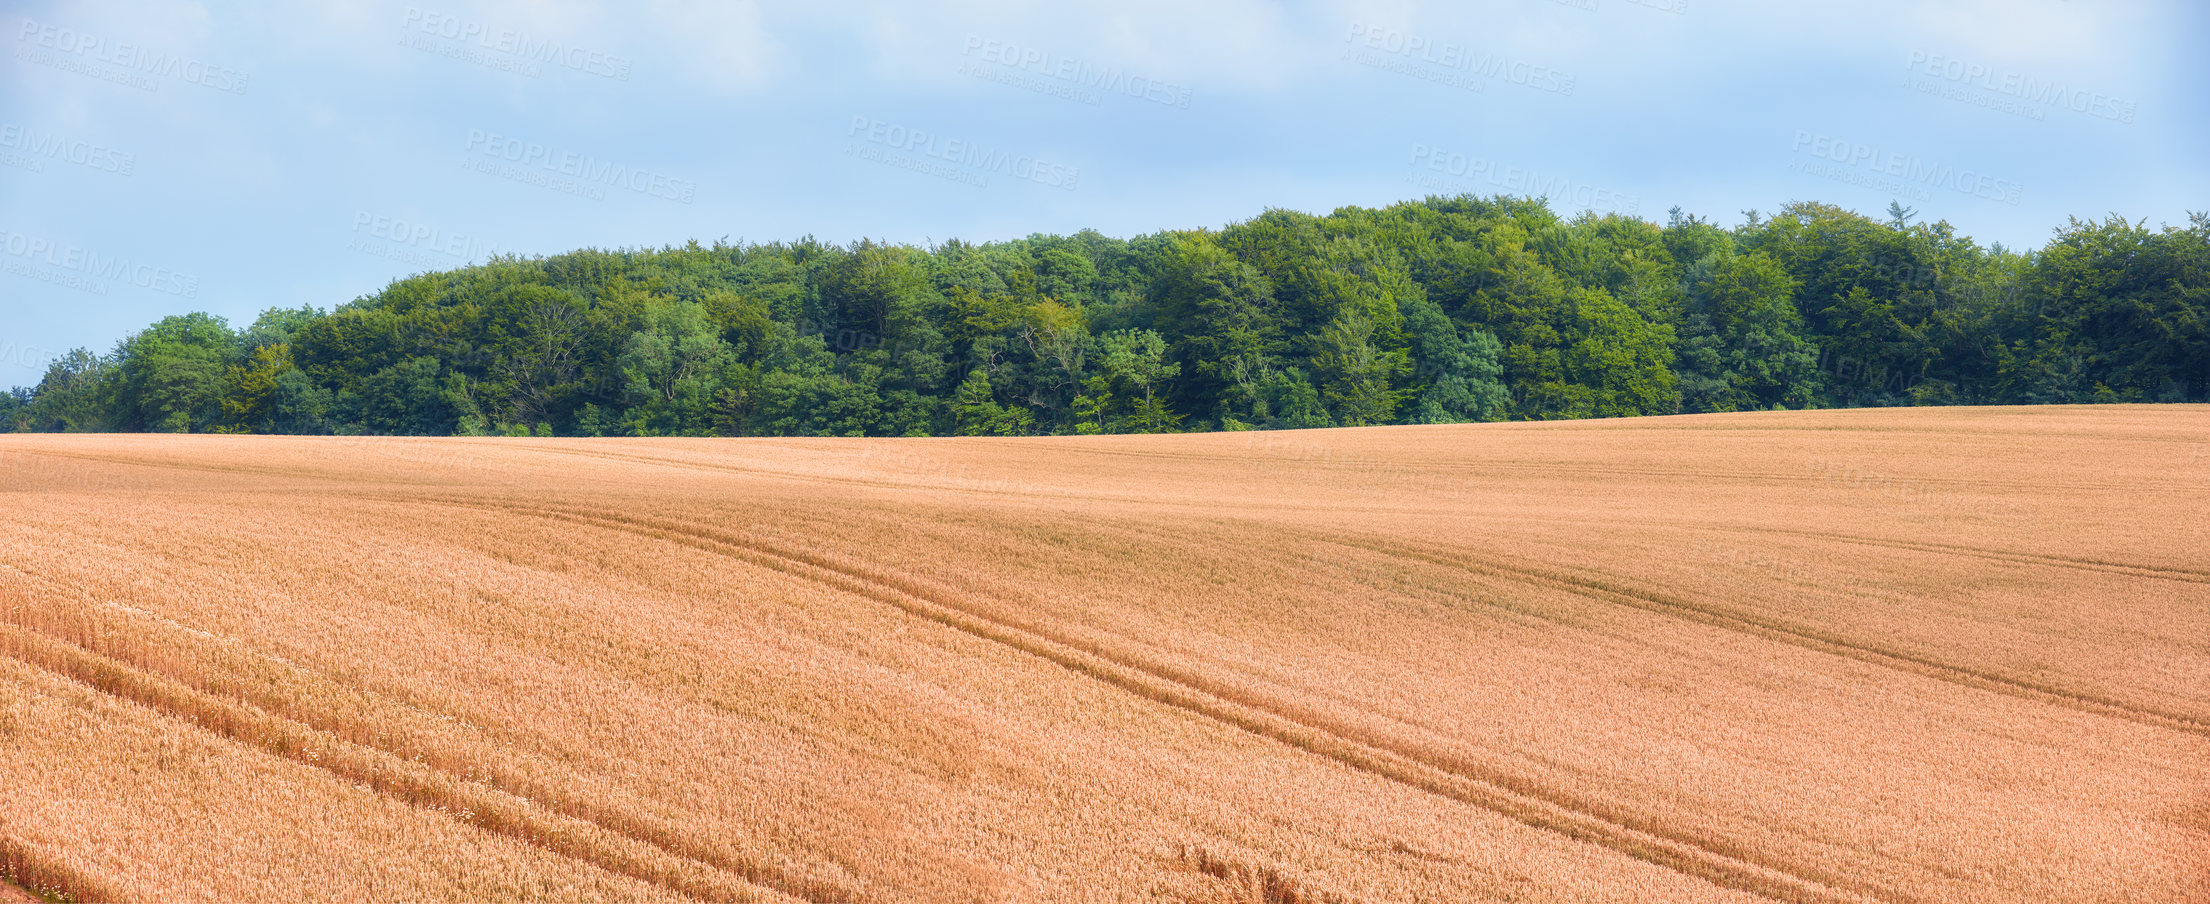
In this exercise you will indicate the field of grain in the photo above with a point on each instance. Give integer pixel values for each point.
(1925, 655)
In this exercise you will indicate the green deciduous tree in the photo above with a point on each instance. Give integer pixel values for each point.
(172, 374)
(976, 412)
(1742, 346)
(1439, 310)
(77, 395)
(1457, 374)
(675, 370)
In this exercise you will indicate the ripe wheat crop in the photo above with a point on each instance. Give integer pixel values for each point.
(1922, 655)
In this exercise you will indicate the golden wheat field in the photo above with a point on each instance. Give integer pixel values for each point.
(1924, 655)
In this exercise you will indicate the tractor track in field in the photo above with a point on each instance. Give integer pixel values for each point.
(470, 803)
(1716, 860)
(2007, 556)
(612, 841)
(29, 875)
(1775, 630)
(2104, 566)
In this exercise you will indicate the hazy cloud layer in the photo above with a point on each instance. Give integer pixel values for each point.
(163, 157)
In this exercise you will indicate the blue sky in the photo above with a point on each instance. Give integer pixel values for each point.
(158, 157)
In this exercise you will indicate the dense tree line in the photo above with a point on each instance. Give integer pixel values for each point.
(1445, 310)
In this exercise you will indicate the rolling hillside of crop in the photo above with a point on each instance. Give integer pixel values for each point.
(1897, 655)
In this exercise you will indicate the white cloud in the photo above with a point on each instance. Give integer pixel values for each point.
(724, 45)
(1231, 45)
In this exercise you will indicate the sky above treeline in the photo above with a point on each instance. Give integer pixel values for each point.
(160, 157)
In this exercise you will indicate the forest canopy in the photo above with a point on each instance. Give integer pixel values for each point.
(1436, 311)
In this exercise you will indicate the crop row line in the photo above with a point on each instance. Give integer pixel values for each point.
(1793, 635)
(574, 830)
(48, 875)
(1454, 778)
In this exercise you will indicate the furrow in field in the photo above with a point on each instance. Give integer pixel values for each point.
(1784, 478)
(197, 467)
(1795, 635)
(473, 803)
(906, 486)
(2127, 569)
(33, 871)
(647, 831)
(1714, 860)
